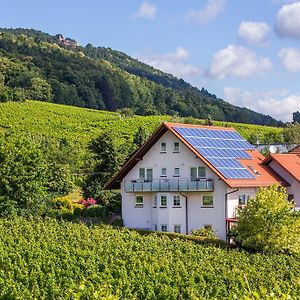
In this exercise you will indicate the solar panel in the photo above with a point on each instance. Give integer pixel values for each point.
(222, 148)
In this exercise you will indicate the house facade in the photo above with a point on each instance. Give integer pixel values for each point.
(187, 177)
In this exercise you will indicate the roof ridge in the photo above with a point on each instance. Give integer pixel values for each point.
(172, 124)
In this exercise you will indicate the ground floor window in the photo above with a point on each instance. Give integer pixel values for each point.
(207, 201)
(139, 201)
(177, 228)
(155, 201)
(164, 227)
(176, 201)
(155, 227)
(163, 201)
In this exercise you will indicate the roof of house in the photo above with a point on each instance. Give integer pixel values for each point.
(253, 172)
(289, 162)
(295, 150)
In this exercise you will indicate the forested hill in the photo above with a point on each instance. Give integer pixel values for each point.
(39, 66)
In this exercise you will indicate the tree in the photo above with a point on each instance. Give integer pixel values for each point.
(23, 174)
(268, 223)
(292, 134)
(107, 160)
(140, 137)
(296, 117)
(40, 89)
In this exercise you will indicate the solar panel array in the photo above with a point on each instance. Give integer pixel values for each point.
(222, 148)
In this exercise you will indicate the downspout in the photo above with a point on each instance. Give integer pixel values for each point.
(226, 206)
(186, 214)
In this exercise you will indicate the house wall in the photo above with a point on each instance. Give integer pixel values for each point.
(198, 216)
(294, 188)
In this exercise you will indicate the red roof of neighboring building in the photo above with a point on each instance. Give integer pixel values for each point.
(296, 150)
(265, 176)
(289, 162)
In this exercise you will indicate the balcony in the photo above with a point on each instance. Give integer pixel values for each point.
(170, 185)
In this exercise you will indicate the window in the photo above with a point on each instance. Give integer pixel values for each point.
(163, 172)
(290, 197)
(243, 199)
(198, 172)
(142, 173)
(139, 201)
(176, 172)
(163, 201)
(164, 228)
(177, 228)
(176, 201)
(155, 227)
(207, 227)
(207, 201)
(163, 147)
(155, 201)
(176, 147)
(146, 174)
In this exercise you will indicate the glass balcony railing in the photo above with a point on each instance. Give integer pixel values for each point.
(169, 185)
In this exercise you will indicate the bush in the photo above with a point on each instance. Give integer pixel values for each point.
(268, 223)
(205, 233)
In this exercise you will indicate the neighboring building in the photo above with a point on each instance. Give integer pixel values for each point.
(188, 177)
(288, 167)
(279, 148)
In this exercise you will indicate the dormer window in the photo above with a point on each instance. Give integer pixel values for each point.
(163, 147)
(176, 147)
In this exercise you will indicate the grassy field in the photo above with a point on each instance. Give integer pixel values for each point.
(80, 125)
(47, 259)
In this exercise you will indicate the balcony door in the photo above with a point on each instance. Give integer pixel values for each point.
(146, 174)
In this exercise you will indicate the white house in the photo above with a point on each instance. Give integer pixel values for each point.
(188, 177)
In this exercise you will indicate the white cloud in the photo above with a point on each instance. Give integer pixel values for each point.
(288, 21)
(146, 10)
(276, 103)
(254, 32)
(212, 9)
(290, 58)
(236, 61)
(172, 62)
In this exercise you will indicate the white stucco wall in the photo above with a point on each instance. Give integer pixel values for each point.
(198, 216)
(294, 188)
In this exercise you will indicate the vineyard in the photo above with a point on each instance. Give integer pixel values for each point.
(81, 125)
(48, 259)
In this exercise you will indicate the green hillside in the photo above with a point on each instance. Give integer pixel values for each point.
(59, 260)
(36, 65)
(80, 125)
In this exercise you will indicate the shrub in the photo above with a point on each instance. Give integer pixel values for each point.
(88, 202)
(268, 223)
(63, 202)
(205, 233)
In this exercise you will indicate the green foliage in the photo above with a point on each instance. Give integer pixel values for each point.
(205, 233)
(267, 223)
(292, 134)
(49, 259)
(296, 117)
(36, 65)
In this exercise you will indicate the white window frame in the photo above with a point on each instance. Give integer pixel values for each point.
(163, 147)
(139, 204)
(160, 205)
(162, 174)
(208, 205)
(176, 226)
(174, 201)
(176, 147)
(145, 176)
(166, 227)
(176, 175)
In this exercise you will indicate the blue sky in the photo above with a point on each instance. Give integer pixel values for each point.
(246, 52)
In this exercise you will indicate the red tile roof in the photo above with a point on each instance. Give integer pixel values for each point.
(289, 162)
(265, 177)
(296, 150)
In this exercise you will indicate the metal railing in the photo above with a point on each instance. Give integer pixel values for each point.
(169, 185)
